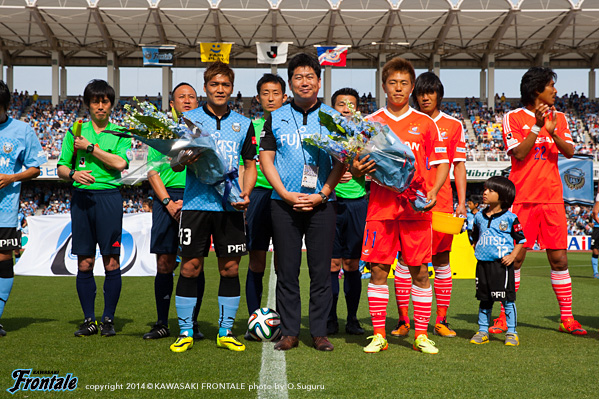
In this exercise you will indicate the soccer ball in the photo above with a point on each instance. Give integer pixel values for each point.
(264, 325)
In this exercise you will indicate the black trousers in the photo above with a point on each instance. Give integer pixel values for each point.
(317, 227)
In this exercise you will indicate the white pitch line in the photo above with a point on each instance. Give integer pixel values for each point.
(273, 371)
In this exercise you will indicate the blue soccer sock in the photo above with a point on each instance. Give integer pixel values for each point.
(352, 286)
(511, 316)
(185, 302)
(201, 286)
(163, 289)
(5, 288)
(228, 303)
(253, 290)
(335, 292)
(484, 316)
(594, 263)
(112, 292)
(86, 289)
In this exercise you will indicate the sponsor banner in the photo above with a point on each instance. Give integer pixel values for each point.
(577, 179)
(272, 53)
(579, 243)
(48, 251)
(158, 56)
(332, 55)
(480, 173)
(212, 52)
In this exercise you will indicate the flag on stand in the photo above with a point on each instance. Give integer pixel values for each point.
(212, 52)
(332, 55)
(158, 55)
(577, 179)
(272, 53)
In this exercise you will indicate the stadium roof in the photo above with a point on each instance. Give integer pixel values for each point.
(456, 33)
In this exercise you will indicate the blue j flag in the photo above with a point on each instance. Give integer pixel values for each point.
(577, 179)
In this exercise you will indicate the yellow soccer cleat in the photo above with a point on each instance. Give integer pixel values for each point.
(230, 342)
(425, 345)
(182, 344)
(378, 343)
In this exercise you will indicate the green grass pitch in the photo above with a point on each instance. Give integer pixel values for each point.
(43, 313)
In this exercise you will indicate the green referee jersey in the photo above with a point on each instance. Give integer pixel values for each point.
(261, 179)
(169, 177)
(352, 189)
(105, 177)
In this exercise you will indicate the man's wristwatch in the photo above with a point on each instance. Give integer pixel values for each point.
(90, 148)
(324, 197)
(165, 201)
(71, 174)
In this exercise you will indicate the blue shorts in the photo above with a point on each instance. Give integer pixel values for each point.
(351, 220)
(165, 229)
(258, 220)
(96, 218)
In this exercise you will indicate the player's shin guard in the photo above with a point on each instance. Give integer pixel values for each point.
(403, 284)
(352, 286)
(201, 286)
(511, 316)
(228, 303)
(422, 299)
(112, 292)
(562, 286)
(484, 316)
(86, 289)
(443, 285)
(185, 302)
(163, 289)
(378, 298)
(253, 290)
(6, 281)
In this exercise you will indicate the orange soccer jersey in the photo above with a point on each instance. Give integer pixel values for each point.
(452, 134)
(536, 177)
(420, 133)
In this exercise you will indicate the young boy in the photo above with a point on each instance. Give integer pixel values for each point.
(497, 238)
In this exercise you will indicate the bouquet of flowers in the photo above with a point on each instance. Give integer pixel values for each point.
(353, 137)
(179, 137)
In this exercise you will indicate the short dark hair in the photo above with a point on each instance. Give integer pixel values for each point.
(218, 68)
(533, 82)
(270, 78)
(504, 188)
(179, 85)
(303, 60)
(427, 83)
(98, 88)
(346, 91)
(398, 64)
(4, 95)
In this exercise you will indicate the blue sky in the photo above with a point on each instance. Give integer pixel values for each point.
(142, 81)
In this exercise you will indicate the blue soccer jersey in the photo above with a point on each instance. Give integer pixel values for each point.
(20, 148)
(495, 235)
(235, 135)
(283, 132)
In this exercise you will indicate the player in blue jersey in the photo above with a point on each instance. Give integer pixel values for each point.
(204, 217)
(271, 96)
(303, 178)
(497, 238)
(595, 238)
(20, 150)
(168, 187)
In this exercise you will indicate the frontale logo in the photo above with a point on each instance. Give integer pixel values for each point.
(53, 383)
(574, 178)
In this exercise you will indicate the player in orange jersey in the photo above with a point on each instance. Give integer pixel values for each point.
(392, 225)
(534, 136)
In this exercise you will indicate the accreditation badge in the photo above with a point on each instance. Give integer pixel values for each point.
(310, 176)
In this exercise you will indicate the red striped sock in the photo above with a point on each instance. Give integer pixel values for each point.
(403, 283)
(517, 283)
(422, 298)
(378, 298)
(443, 285)
(562, 286)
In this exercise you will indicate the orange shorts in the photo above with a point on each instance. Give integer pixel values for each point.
(441, 242)
(544, 223)
(383, 239)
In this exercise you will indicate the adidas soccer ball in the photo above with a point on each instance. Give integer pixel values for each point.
(264, 325)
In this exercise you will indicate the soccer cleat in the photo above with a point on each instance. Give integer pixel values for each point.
(158, 331)
(442, 329)
(511, 339)
(107, 327)
(87, 328)
(481, 337)
(499, 326)
(230, 342)
(2, 332)
(182, 344)
(425, 345)
(378, 343)
(401, 330)
(571, 326)
(197, 335)
(249, 337)
(596, 275)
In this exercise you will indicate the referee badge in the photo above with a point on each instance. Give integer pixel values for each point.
(503, 225)
(236, 126)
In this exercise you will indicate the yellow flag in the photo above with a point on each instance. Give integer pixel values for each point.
(212, 52)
